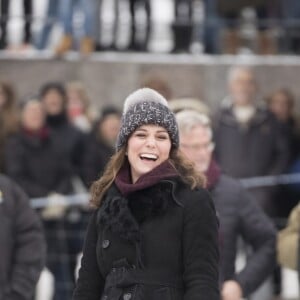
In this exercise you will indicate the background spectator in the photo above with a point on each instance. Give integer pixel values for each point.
(67, 11)
(249, 140)
(101, 144)
(32, 159)
(239, 215)
(281, 103)
(182, 26)
(52, 16)
(27, 36)
(67, 138)
(9, 118)
(22, 243)
(78, 106)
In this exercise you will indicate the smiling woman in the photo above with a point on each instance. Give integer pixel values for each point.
(153, 234)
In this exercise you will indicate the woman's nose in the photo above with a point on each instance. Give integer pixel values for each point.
(150, 142)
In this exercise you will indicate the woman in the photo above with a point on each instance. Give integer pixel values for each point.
(33, 161)
(154, 233)
(9, 118)
(100, 144)
(79, 110)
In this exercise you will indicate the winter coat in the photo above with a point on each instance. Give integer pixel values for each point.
(22, 244)
(157, 243)
(256, 149)
(95, 158)
(68, 140)
(240, 216)
(36, 165)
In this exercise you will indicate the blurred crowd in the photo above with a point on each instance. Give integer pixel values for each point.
(218, 26)
(54, 142)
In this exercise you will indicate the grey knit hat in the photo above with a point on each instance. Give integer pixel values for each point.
(146, 106)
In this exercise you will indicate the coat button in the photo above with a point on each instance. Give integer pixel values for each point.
(127, 296)
(105, 244)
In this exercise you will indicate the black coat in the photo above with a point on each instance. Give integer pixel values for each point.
(37, 166)
(257, 149)
(240, 216)
(158, 243)
(68, 140)
(22, 244)
(95, 158)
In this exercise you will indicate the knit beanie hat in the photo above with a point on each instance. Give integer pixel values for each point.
(146, 106)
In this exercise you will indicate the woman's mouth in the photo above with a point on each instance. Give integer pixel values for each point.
(148, 157)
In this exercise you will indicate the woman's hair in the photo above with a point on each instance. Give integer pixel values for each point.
(80, 89)
(9, 111)
(184, 167)
(286, 93)
(49, 86)
(189, 119)
(9, 93)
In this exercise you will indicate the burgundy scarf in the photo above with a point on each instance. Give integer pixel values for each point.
(123, 180)
(212, 174)
(41, 134)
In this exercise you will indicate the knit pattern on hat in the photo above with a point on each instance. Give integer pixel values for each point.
(146, 106)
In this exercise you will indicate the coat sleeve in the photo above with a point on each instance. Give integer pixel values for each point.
(90, 283)
(258, 231)
(200, 248)
(30, 248)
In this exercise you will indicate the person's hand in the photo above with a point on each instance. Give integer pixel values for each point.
(231, 290)
(55, 209)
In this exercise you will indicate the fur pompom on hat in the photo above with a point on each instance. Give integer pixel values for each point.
(146, 106)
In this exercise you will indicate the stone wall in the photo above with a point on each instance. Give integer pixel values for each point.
(109, 77)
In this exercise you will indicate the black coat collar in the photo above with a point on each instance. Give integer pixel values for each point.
(123, 215)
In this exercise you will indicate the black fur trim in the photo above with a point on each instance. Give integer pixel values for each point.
(115, 215)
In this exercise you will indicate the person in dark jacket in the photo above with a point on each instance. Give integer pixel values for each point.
(33, 162)
(281, 103)
(249, 140)
(22, 243)
(100, 144)
(31, 158)
(238, 213)
(68, 139)
(9, 117)
(154, 233)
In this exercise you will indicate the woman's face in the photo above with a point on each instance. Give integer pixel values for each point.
(33, 117)
(280, 106)
(75, 104)
(53, 102)
(148, 147)
(109, 129)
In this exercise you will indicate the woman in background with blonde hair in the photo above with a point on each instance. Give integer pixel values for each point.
(78, 106)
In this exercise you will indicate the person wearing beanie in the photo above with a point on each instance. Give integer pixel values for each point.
(154, 232)
(239, 214)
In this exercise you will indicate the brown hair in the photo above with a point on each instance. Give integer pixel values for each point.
(9, 111)
(285, 92)
(184, 167)
(159, 84)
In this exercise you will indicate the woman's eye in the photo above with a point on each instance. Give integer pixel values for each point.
(140, 135)
(162, 137)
